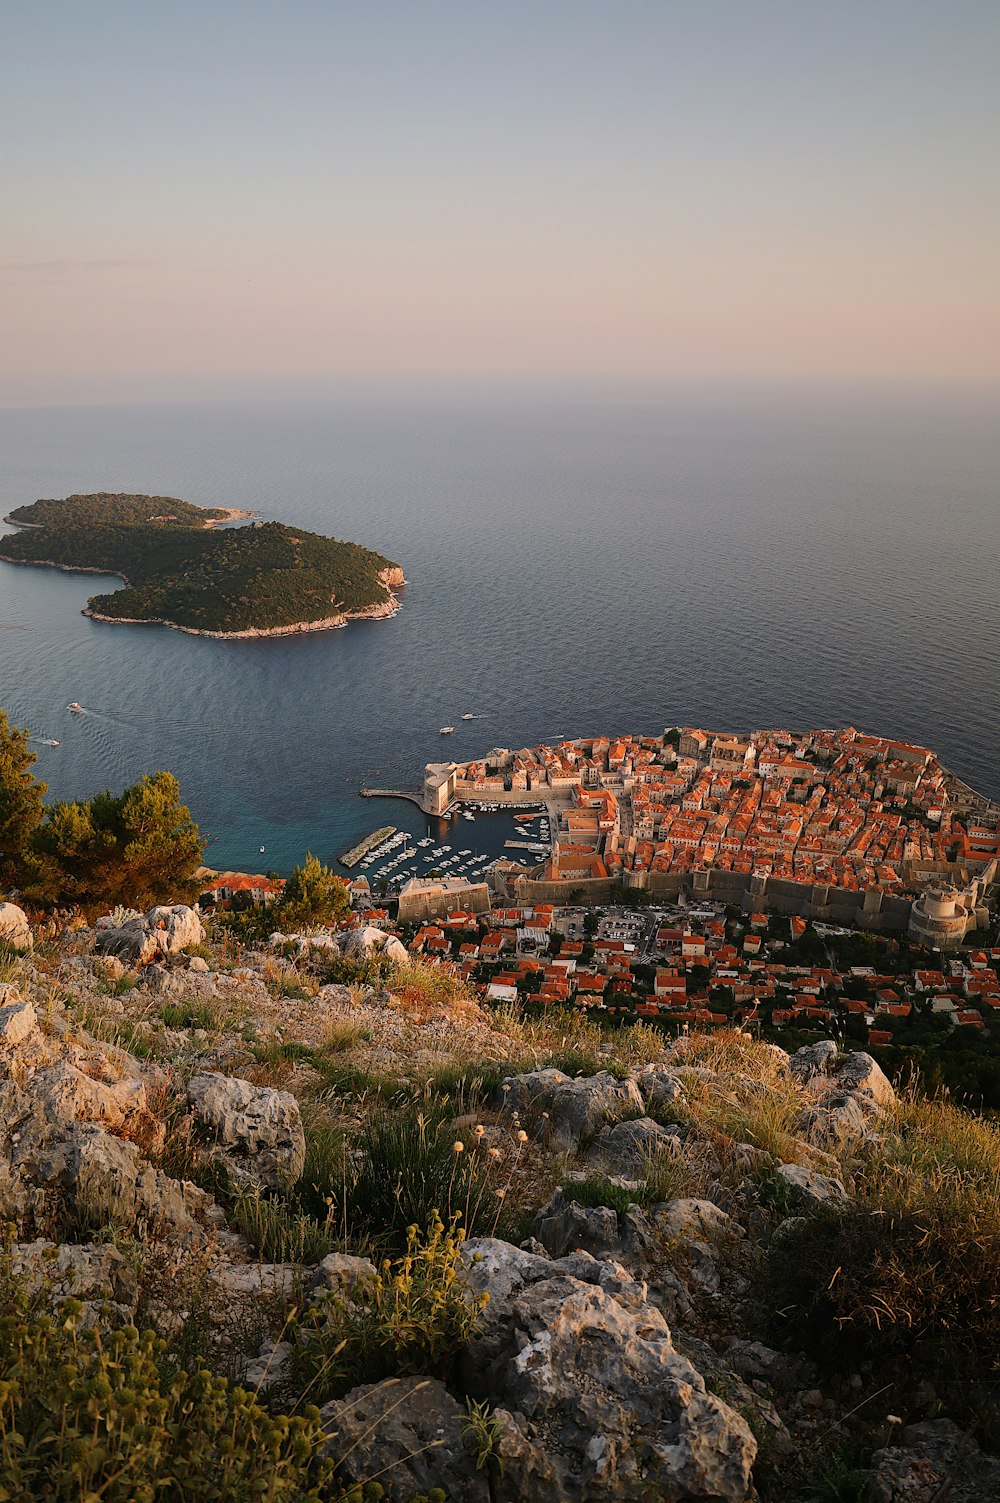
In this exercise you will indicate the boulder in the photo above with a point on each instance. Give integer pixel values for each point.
(834, 1120)
(15, 931)
(858, 1075)
(629, 1147)
(563, 1225)
(369, 941)
(258, 1131)
(604, 1406)
(338, 1273)
(807, 1187)
(813, 1059)
(658, 1085)
(935, 1460)
(408, 1432)
(575, 1108)
(161, 933)
(17, 1022)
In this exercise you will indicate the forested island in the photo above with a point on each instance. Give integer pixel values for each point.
(181, 569)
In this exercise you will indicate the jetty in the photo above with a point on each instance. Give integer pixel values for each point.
(354, 855)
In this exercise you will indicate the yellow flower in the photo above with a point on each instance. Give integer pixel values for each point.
(458, 1146)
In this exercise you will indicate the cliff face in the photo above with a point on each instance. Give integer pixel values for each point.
(268, 1125)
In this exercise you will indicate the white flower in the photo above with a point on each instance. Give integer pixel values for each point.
(522, 1136)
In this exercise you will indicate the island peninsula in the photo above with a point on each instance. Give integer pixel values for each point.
(182, 569)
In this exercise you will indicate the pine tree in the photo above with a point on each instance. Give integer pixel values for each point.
(21, 809)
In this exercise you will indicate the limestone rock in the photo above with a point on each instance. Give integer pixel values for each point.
(659, 1085)
(935, 1460)
(163, 932)
(859, 1075)
(574, 1107)
(835, 1119)
(618, 1411)
(259, 1131)
(339, 1272)
(17, 1023)
(409, 1433)
(15, 930)
(368, 941)
(807, 1187)
(563, 1224)
(629, 1147)
(813, 1059)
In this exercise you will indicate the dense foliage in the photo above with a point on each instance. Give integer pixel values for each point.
(21, 794)
(87, 1414)
(107, 509)
(137, 847)
(313, 895)
(235, 579)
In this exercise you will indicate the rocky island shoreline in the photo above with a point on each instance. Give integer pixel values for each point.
(181, 567)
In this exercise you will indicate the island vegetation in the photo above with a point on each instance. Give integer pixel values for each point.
(181, 569)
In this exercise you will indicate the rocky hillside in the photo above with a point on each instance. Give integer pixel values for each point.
(392, 1245)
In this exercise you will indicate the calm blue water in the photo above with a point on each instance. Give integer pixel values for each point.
(576, 565)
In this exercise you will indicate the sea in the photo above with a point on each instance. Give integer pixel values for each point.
(579, 561)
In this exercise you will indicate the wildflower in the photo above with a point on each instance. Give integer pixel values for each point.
(480, 1130)
(458, 1146)
(494, 1153)
(500, 1194)
(894, 1419)
(522, 1136)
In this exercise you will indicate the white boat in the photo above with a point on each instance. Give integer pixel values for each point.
(468, 716)
(446, 730)
(75, 707)
(46, 741)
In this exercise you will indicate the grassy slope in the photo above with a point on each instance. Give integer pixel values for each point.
(206, 579)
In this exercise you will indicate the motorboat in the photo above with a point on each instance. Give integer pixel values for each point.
(446, 730)
(76, 708)
(47, 741)
(468, 716)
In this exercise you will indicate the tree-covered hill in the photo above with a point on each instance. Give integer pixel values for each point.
(107, 509)
(181, 571)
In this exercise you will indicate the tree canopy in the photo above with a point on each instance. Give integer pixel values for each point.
(21, 806)
(313, 895)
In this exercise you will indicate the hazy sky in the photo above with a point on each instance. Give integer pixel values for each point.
(267, 195)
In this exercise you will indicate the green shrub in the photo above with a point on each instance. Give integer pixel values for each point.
(279, 1232)
(414, 1316)
(87, 1415)
(409, 1167)
(189, 1014)
(910, 1268)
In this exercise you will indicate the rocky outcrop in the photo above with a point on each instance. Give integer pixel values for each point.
(563, 1225)
(15, 930)
(369, 941)
(602, 1404)
(162, 933)
(258, 1132)
(17, 1019)
(933, 1461)
(570, 1109)
(408, 1432)
(630, 1148)
(808, 1188)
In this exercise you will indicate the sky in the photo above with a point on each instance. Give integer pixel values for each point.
(274, 196)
